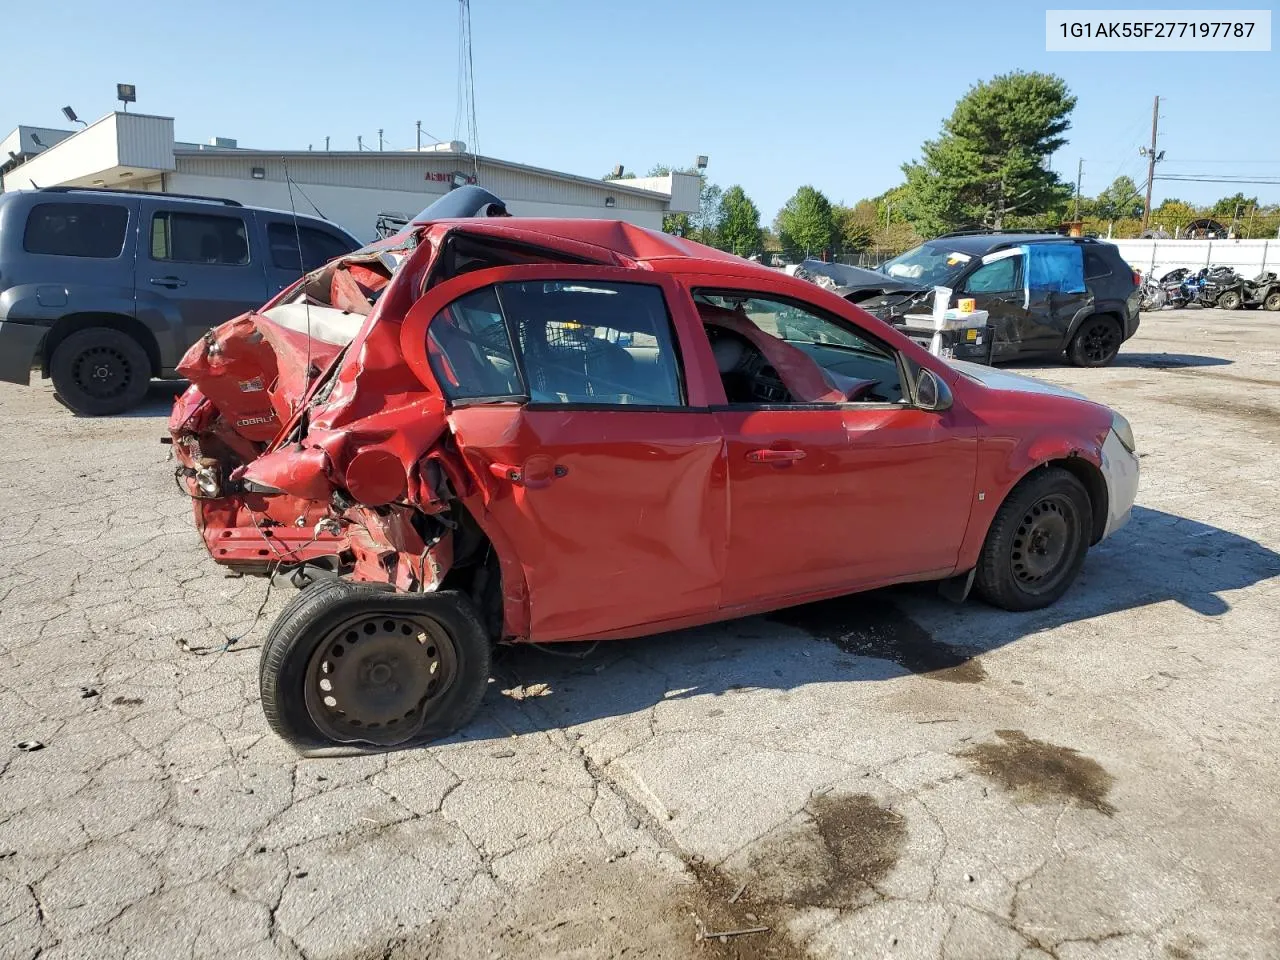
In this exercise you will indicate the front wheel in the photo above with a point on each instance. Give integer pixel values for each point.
(1096, 343)
(1037, 542)
(1230, 300)
(350, 668)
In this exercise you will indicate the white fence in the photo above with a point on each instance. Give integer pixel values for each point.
(1246, 257)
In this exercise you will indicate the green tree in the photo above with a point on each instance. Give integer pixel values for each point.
(806, 224)
(991, 160)
(856, 224)
(1173, 214)
(1120, 200)
(739, 230)
(1237, 205)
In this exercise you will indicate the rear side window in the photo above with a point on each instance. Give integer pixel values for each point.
(1096, 266)
(199, 238)
(578, 342)
(76, 230)
(318, 247)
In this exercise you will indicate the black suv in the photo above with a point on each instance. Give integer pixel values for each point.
(105, 289)
(1046, 294)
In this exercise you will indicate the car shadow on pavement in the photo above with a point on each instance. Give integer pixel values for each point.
(1157, 558)
(1167, 361)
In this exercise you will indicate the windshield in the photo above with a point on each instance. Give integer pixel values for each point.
(929, 265)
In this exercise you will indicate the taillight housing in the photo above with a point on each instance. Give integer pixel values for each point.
(1137, 277)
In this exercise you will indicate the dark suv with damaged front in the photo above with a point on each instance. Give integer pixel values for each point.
(1046, 294)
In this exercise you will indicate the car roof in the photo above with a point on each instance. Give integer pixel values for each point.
(659, 251)
(980, 243)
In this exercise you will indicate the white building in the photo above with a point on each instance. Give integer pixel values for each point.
(136, 151)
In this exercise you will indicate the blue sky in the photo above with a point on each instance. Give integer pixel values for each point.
(836, 94)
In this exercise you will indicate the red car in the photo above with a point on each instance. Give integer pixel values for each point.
(513, 430)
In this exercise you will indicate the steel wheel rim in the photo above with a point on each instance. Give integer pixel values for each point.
(1044, 543)
(377, 677)
(1100, 341)
(102, 372)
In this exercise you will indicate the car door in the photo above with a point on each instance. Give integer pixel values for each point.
(1056, 291)
(996, 285)
(595, 458)
(195, 267)
(827, 492)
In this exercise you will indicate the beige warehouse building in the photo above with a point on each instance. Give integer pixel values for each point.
(136, 151)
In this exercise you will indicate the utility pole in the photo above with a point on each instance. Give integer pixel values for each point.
(379, 138)
(1075, 215)
(1151, 165)
(419, 136)
(326, 144)
(359, 142)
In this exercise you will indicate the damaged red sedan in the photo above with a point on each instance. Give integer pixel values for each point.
(492, 429)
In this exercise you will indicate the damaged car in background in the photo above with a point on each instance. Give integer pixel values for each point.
(489, 430)
(1047, 295)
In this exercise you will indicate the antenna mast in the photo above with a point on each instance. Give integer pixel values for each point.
(464, 122)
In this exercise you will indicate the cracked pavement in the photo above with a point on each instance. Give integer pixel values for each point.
(891, 776)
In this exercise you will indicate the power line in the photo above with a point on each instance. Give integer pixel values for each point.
(1201, 178)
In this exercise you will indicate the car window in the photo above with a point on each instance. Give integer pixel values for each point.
(1096, 266)
(318, 246)
(774, 351)
(93, 230)
(199, 238)
(470, 349)
(579, 342)
(999, 276)
(1057, 267)
(596, 343)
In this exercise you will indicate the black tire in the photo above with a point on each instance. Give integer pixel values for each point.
(305, 646)
(100, 371)
(1272, 302)
(1015, 571)
(1231, 300)
(1096, 342)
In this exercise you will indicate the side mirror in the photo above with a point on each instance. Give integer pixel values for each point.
(931, 392)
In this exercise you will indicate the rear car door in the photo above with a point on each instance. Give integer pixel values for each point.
(195, 267)
(836, 479)
(595, 458)
(1056, 292)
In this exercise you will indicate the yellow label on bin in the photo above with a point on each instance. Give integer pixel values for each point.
(966, 304)
(971, 335)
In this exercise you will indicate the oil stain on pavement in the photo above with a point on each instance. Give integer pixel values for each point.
(1040, 772)
(870, 625)
(835, 857)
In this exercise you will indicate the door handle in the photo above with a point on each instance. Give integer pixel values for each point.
(536, 480)
(775, 456)
(169, 282)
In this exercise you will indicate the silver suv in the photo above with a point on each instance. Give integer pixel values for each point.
(103, 290)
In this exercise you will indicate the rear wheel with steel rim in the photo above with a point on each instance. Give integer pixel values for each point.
(1231, 300)
(1096, 343)
(100, 371)
(1272, 302)
(1037, 542)
(351, 668)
